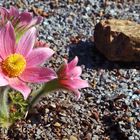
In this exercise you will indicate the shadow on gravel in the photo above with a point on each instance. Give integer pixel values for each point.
(112, 129)
(91, 58)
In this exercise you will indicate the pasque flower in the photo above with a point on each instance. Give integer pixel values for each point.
(69, 77)
(19, 63)
(20, 21)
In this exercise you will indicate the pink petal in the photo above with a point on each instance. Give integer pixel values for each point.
(74, 83)
(3, 81)
(7, 40)
(25, 18)
(1, 59)
(38, 75)
(73, 63)
(13, 12)
(19, 85)
(27, 41)
(76, 72)
(38, 56)
(35, 21)
(4, 14)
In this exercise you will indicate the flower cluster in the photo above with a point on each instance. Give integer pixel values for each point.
(21, 63)
(20, 21)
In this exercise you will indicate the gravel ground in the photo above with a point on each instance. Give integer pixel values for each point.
(110, 109)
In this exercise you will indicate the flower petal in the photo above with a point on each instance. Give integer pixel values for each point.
(38, 56)
(4, 14)
(19, 85)
(73, 63)
(35, 21)
(38, 75)
(1, 59)
(75, 72)
(72, 84)
(25, 18)
(27, 41)
(7, 40)
(13, 12)
(3, 81)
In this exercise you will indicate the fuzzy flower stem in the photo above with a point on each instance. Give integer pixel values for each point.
(4, 109)
(47, 88)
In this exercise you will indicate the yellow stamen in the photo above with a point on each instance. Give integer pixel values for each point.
(13, 65)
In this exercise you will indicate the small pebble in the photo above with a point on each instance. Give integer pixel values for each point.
(57, 124)
(73, 137)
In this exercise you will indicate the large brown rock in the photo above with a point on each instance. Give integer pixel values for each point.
(118, 40)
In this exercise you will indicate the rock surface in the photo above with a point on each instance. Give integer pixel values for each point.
(118, 40)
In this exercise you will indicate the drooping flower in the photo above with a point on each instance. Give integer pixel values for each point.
(20, 21)
(20, 62)
(69, 77)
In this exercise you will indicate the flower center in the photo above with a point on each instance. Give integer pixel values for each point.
(13, 65)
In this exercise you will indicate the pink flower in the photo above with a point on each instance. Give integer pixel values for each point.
(20, 21)
(69, 77)
(20, 62)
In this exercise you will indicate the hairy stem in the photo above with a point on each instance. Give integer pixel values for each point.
(4, 108)
(47, 88)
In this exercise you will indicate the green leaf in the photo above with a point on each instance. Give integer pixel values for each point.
(18, 106)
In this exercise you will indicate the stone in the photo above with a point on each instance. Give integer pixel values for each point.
(53, 105)
(57, 124)
(65, 139)
(71, 1)
(118, 40)
(73, 137)
(138, 124)
(88, 136)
